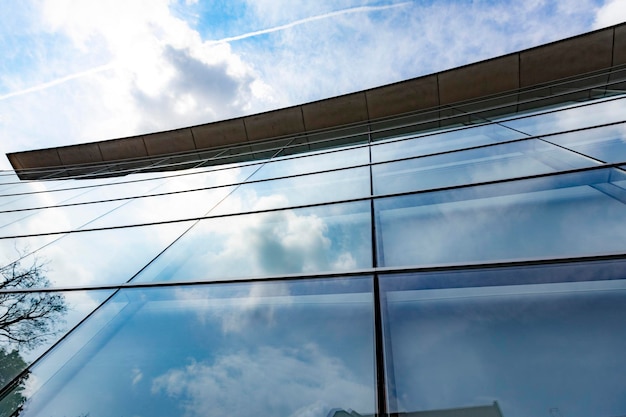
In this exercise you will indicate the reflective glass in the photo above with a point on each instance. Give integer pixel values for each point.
(38, 193)
(516, 342)
(22, 187)
(169, 207)
(594, 114)
(7, 177)
(319, 239)
(556, 216)
(56, 220)
(443, 142)
(50, 193)
(607, 143)
(489, 163)
(301, 190)
(305, 164)
(122, 188)
(283, 349)
(89, 258)
(31, 322)
(193, 179)
(44, 199)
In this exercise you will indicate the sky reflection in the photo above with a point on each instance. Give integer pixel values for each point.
(291, 351)
(531, 348)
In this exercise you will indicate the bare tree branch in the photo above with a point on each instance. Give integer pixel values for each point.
(28, 319)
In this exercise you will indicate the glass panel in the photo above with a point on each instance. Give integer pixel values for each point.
(319, 239)
(602, 112)
(557, 216)
(40, 192)
(31, 322)
(197, 179)
(302, 190)
(313, 163)
(7, 177)
(443, 142)
(121, 188)
(137, 185)
(173, 205)
(88, 258)
(490, 163)
(269, 349)
(56, 220)
(608, 143)
(23, 208)
(45, 198)
(21, 187)
(515, 342)
(164, 208)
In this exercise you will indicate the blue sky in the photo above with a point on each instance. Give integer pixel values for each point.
(81, 71)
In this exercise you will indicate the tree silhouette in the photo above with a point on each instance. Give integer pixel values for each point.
(27, 318)
(11, 365)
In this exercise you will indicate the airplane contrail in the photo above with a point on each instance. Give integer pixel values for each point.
(361, 9)
(58, 81)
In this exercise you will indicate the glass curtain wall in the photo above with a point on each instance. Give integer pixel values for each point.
(477, 269)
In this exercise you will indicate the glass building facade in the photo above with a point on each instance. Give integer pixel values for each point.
(467, 261)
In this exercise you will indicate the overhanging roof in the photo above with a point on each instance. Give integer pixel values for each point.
(582, 63)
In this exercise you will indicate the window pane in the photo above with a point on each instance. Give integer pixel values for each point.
(163, 208)
(31, 322)
(597, 113)
(557, 216)
(442, 142)
(269, 349)
(484, 337)
(55, 220)
(608, 143)
(473, 166)
(313, 162)
(89, 258)
(302, 190)
(319, 239)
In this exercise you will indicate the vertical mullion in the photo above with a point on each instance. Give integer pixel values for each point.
(379, 353)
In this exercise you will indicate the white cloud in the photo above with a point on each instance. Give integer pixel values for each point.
(136, 376)
(611, 13)
(112, 69)
(167, 71)
(252, 308)
(280, 242)
(270, 381)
